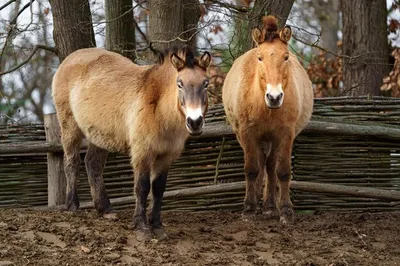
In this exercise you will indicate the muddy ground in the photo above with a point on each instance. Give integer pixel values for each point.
(29, 237)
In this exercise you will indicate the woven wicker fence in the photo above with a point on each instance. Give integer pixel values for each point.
(341, 154)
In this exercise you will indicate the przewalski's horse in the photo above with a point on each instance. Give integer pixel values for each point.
(145, 111)
(268, 100)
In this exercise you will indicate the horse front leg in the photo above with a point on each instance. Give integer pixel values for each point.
(252, 170)
(142, 189)
(284, 175)
(159, 173)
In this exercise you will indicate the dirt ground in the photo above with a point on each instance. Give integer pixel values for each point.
(29, 237)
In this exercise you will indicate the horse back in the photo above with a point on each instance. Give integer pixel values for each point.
(94, 86)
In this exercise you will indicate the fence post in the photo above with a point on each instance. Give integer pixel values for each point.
(56, 187)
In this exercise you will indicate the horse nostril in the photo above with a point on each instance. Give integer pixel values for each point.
(275, 98)
(195, 123)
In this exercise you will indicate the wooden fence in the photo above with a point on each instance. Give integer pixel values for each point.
(350, 143)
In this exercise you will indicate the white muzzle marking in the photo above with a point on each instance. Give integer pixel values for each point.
(193, 113)
(274, 96)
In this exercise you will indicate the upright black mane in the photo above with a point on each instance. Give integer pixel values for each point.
(185, 52)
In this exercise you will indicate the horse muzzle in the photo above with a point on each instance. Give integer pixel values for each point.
(195, 126)
(274, 101)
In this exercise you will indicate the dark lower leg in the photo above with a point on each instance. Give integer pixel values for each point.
(158, 188)
(142, 189)
(284, 174)
(94, 161)
(71, 168)
(286, 206)
(250, 201)
(252, 171)
(270, 188)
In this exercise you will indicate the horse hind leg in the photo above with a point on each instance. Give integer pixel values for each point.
(94, 161)
(71, 137)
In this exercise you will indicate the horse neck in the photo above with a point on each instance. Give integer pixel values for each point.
(169, 111)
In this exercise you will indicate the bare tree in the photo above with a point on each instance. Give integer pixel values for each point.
(73, 27)
(120, 27)
(327, 13)
(25, 83)
(190, 15)
(173, 22)
(165, 23)
(365, 46)
(278, 8)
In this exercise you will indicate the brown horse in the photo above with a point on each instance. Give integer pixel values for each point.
(268, 100)
(146, 111)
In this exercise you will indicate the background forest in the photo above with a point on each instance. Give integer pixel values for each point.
(348, 47)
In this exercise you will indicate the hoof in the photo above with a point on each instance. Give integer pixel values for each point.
(286, 215)
(248, 216)
(271, 213)
(70, 207)
(112, 216)
(159, 234)
(143, 234)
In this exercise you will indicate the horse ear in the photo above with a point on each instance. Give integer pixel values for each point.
(256, 34)
(177, 62)
(205, 60)
(285, 34)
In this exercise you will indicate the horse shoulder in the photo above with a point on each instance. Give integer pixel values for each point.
(305, 93)
(236, 89)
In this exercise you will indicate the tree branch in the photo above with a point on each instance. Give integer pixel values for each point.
(7, 4)
(325, 50)
(13, 25)
(240, 9)
(35, 48)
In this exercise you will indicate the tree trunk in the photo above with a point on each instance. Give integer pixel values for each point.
(173, 22)
(278, 8)
(190, 16)
(73, 28)
(165, 23)
(365, 46)
(327, 13)
(120, 27)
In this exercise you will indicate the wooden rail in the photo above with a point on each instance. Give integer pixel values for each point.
(212, 130)
(390, 195)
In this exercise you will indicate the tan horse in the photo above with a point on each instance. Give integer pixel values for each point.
(146, 111)
(268, 100)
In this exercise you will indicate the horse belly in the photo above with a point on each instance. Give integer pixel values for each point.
(171, 143)
(98, 125)
(104, 139)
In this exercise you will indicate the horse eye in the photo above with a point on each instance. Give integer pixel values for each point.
(206, 82)
(286, 58)
(260, 59)
(180, 85)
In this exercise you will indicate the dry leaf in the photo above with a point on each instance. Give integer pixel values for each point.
(85, 249)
